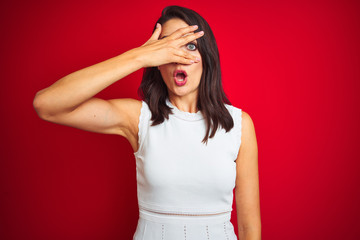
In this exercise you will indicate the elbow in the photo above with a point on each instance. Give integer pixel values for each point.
(39, 104)
(250, 231)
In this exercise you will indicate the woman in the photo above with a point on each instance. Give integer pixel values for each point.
(191, 146)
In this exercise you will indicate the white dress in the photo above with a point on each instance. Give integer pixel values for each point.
(185, 187)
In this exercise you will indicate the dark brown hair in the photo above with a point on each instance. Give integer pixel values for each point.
(211, 98)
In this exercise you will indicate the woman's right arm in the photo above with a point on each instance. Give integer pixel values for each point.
(70, 101)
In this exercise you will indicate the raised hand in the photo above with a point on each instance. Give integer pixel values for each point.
(157, 52)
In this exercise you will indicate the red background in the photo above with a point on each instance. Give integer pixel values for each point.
(292, 65)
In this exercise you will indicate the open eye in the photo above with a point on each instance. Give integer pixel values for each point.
(191, 46)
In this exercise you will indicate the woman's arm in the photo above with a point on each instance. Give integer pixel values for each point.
(70, 101)
(247, 183)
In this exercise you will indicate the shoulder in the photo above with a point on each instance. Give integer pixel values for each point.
(240, 115)
(243, 120)
(246, 120)
(248, 135)
(245, 131)
(233, 110)
(236, 113)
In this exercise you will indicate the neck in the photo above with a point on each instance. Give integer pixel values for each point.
(186, 103)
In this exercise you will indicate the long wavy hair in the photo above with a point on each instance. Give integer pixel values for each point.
(211, 96)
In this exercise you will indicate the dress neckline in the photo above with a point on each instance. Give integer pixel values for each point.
(184, 115)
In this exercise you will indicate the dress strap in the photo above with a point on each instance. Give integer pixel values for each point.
(144, 124)
(237, 118)
(236, 114)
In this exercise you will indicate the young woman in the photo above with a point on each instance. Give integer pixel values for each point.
(192, 148)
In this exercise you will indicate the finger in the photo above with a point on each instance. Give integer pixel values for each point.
(187, 34)
(156, 33)
(181, 60)
(181, 31)
(190, 38)
(184, 54)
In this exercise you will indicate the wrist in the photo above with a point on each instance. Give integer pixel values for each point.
(136, 56)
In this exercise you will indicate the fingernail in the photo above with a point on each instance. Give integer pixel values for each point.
(191, 61)
(194, 26)
(201, 32)
(157, 25)
(198, 59)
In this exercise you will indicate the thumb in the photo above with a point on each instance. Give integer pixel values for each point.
(156, 33)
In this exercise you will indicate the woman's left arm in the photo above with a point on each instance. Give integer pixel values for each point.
(247, 183)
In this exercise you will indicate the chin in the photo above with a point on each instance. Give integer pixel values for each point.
(182, 91)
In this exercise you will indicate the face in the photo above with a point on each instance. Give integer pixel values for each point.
(177, 88)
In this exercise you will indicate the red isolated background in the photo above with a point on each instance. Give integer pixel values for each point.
(292, 65)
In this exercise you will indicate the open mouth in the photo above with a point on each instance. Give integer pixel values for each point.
(180, 77)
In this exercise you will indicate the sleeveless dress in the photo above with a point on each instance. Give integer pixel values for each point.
(185, 187)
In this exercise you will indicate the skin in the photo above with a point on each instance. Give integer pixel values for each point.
(70, 101)
(247, 183)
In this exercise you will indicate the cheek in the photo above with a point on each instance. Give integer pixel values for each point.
(199, 68)
(165, 73)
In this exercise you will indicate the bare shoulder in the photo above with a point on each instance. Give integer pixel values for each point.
(248, 135)
(246, 121)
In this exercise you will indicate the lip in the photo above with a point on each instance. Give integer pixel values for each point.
(180, 83)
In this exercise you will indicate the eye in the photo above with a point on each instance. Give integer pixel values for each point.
(191, 46)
